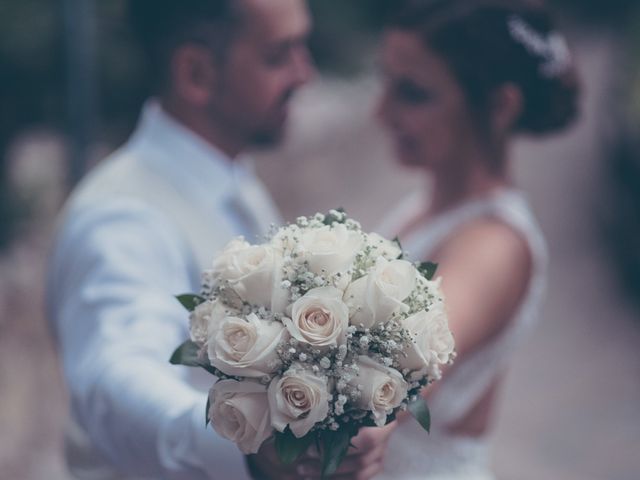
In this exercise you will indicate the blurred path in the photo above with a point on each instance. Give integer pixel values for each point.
(32, 396)
(571, 403)
(572, 399)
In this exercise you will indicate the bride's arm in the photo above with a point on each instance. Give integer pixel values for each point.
(485, 272)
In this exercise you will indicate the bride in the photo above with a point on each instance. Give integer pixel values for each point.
(462, 79)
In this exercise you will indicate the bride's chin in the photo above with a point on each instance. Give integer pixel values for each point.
(407, 160)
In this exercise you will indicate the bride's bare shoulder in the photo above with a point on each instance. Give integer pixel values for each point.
(489, 241)
(486, 268)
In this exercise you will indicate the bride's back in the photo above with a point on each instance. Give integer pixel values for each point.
(462, 78)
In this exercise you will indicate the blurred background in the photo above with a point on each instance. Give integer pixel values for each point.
(71, 84)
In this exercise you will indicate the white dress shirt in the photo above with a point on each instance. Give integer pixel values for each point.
(136, 232)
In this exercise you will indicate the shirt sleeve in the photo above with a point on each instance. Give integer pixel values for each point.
(112, 281)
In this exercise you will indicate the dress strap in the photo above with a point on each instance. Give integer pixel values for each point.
(468, 381)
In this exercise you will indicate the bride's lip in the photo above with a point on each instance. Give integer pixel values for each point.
(404, 144)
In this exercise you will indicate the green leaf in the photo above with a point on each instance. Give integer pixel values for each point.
(187, 355)
(289, 447)
(206, 414)
(428, 269)
(209, 369)
(396, 240)
(335, 447)
(420, 410)
(190, 301)
(330, 219)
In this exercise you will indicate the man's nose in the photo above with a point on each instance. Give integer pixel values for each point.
(382, 108)
(303, 67)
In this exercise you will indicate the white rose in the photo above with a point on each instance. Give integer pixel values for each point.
(341, 281)
(205, 320)
(251, 270)
(319, 318)
(284, 238)
(432, 342)
(280, 293)
(298, 399)
(329, 249)
(374, 298)
(239, 411)
(246, 348)
(236, 244)
(383, 247)
(383, 388)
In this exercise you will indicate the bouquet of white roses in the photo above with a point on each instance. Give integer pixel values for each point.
(314, 334)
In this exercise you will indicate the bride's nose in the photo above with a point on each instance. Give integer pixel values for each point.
(384, 111)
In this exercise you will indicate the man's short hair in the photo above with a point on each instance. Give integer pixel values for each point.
(161, 26)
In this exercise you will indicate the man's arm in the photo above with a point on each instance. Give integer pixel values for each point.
(113, 277)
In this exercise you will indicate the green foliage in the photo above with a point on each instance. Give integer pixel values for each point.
(428, 269)
(599, 11)
(190, 301)
(187, 354)
(206, 413)
(420, 410)
(330, 218)
(289, 447)
(334, 448)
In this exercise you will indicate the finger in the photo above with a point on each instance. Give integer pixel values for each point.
(271, 473)
(296, 473)
(371, 471)
(366, 473)
(362, 441)
(351, 463)
(349, 466)
(373, 455)
(354, 464)
(311, 453)
(267, 467)
(367, 439)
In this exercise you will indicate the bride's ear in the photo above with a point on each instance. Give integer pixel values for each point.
(508, 105)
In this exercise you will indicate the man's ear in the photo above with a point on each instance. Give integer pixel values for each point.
(508, 105)
(194, 74)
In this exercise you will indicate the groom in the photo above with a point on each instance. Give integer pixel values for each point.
(147, 221)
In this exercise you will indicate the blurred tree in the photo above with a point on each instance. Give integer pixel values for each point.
(33, 60)
(600, 11)
(346, 32)
(30, 84)
(621, 211)
(33, 76)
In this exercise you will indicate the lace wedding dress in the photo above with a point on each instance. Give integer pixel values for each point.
(440, 455)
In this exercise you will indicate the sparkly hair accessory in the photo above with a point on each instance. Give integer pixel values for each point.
(552, 48)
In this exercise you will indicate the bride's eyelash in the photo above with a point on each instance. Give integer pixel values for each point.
(408, 92)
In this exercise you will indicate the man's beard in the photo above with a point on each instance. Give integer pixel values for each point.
(272, 137)
(266, 139)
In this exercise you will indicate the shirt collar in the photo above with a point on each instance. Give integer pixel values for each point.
(201, 172)
(193, 164)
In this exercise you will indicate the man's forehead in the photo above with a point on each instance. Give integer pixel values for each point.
(275, 20)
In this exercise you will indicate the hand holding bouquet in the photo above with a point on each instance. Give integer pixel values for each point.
(318, 332)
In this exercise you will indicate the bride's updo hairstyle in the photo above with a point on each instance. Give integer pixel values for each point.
(489, 43)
